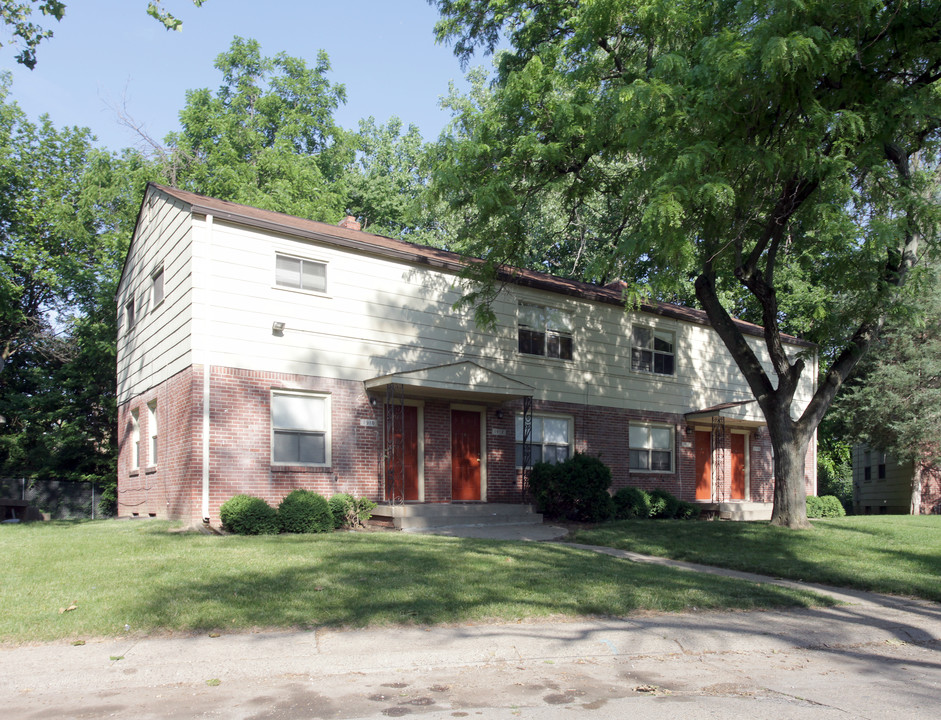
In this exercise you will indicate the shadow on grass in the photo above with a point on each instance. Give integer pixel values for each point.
(358, 580)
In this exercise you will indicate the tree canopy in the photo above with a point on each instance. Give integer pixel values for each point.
(753, 147)
(19, 17)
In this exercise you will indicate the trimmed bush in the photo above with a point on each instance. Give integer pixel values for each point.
(248, 515)
(663, 505)
(348, 511)
(576, 489)
(824, 507)
(631, 502)
(688, 511)
(303, 511)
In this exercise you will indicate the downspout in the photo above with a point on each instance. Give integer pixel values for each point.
(207, 365)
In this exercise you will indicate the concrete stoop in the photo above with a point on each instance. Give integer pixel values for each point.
(744, 510)
(442, 515)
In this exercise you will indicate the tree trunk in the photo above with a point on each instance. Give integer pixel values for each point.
(790, 491)
(915, 506)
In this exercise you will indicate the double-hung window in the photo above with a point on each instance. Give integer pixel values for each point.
(300, 428)
(152, 432)
(651, 448)
(551, 439)
(545, 331)
(300, 273)
(653, 350)
(135, 439)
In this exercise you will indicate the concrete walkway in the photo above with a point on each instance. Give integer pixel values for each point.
(873, 657)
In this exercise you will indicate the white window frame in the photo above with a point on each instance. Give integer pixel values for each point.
(570, 432)
(648, 447)
(636, 366)
(325, 431)
(130, 313)
(300, 288)
(555, 325)
(157, 280)
(152, 433)
(135, 439)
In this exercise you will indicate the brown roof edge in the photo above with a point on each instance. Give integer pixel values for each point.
(401, 250)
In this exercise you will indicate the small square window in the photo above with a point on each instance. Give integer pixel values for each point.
(129, 313)
(157, 289)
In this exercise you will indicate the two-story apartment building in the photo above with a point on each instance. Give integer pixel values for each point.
(259, 352)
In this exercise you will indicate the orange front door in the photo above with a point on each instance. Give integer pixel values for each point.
(738, 467)
(402, 473)
(465, 455)
(703, 465)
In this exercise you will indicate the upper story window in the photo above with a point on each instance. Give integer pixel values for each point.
(157, 288)
(129, 313)
(545, 331)
(651, 448)
(300, 273)
(300, 427)
(653, 350)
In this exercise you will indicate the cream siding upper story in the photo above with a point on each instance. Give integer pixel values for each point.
(380, 315)
(892, 491)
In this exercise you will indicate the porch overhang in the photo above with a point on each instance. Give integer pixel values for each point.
(738, 414)
(464, 380)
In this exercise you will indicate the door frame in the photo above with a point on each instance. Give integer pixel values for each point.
(746, 463)
(482, 409)
(420, 430)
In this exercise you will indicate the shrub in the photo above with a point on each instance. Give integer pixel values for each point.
(631, 502)
(663, 504)
(348, 511)
(303, 511)
(688, 511)
(824, 507)
(342, 507)
(576, 489)
(248, 515)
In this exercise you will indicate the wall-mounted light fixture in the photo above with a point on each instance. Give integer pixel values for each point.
(373, 402)
(277, 328)
(499, 414)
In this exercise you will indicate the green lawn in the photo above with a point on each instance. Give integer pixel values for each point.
(894, 554)
(154, 580)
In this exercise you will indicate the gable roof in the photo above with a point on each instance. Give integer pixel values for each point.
(434, 257)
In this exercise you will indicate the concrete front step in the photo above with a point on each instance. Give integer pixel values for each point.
(744, 511)
(422, 516)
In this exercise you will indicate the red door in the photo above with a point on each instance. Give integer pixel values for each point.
(703, 465)
(402, 473)
(465, 455)
(738, 466)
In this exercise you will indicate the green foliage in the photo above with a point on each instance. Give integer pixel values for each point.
(27, 34)
(575, 489)
(826, 506)
(753, 147)
(631, 502)
(663, 504)
(348, 511)
(267, 137)
(303, 511)
(688, 511)
(249, 515)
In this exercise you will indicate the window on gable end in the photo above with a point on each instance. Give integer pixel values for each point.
(129, 313)
(300, 273)
(157, 287)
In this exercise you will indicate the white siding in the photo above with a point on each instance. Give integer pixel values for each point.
(158, 345)
(380, 316)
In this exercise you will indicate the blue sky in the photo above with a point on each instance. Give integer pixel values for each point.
(110, 52)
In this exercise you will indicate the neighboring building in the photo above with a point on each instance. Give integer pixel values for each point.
(259, 352)
(883, 486)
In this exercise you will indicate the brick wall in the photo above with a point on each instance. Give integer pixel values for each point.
(240, 446)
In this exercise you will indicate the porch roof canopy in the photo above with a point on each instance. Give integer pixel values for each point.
(740, 414)
(464, 380)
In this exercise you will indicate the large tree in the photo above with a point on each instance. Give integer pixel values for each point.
(266, 137)
(762, 145)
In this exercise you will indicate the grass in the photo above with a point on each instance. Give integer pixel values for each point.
(145, 576)
(893, 554)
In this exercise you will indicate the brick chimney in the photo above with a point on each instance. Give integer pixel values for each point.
(349, 222)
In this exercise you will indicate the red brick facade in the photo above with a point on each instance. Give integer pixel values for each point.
(240, 446)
